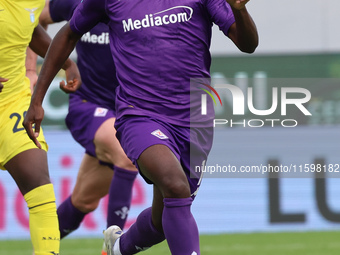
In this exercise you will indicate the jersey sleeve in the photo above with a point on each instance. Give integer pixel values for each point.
(61, 10)
(88, 14)
(221, 14)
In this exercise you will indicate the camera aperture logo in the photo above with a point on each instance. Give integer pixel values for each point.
(241, 104)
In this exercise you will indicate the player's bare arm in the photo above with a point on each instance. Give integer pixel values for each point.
(237, 4)
(31, 67)
(56, 58)
(31, 60)
(31, 57)
(40, 43)
(1, 81)
(243, 32)
(45, 17)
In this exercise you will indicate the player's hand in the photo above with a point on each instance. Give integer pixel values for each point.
(32, 122)
(1, 81)
(33, 77)
(72, 77)
(237, 4)
(70, 87)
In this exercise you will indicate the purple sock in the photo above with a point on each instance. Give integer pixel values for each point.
(141, 235)
(180, 227)
(120, 194)
(69, 217)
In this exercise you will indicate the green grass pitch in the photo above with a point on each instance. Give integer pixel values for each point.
(295, 243)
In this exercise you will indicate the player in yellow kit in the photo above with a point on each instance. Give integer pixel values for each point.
(26, 163)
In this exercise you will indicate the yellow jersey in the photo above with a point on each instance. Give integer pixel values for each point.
(18, 18)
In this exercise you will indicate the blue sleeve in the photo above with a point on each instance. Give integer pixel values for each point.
(61, 10)
(88, 14)
(221, 14)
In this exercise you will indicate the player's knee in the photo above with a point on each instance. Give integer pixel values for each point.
(103, 155)
(85, 206)
(125, 163)
(117, 159)
(176, 189)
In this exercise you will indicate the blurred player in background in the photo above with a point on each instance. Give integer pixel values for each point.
(91, 121)
(158, 46)
(18, 155)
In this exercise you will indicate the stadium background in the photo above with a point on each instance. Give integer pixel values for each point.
(298, 40)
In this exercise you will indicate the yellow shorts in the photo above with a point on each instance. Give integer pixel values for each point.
(13, 137)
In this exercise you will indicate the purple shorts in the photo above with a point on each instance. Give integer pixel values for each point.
(83, 120)
(191, 146)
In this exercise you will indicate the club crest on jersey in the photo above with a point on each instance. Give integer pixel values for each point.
(159, 134)
(100, 112)
(31, 11)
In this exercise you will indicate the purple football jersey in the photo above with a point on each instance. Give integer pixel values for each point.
(94, 58)
(157, 46)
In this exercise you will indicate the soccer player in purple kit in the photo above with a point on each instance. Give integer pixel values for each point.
(158, 46)
(91, 120)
